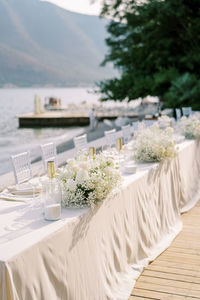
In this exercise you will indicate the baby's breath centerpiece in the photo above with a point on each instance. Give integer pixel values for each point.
(88, 180)
(153, 144)
(190, 127)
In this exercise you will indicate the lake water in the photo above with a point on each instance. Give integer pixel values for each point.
(14, 102)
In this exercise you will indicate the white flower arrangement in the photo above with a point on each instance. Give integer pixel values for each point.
(88, 180)
(153, 144)
(190, 127)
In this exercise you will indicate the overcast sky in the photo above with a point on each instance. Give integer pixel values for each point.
(80, 6)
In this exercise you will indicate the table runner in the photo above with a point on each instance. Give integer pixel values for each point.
(99, 253)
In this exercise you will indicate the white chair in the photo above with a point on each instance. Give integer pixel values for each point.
(22, 167)
(126, 131)
(48, 153)
(108, 123)
(134, 127)
(187, 111)
(110, 137)
(80, 143)
(178, 113)
(148, 123)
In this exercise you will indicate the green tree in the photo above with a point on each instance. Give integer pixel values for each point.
(155, 45)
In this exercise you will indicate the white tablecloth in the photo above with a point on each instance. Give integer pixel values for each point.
(97, 254)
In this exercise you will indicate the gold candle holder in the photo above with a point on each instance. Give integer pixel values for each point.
(51, 170)
(119, 144)
(92, 151)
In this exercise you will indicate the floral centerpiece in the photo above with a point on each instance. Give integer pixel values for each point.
(88, 180)
(190, 127)
(153, 144)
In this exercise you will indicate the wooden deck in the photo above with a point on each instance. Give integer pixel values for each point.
(175, 274)
(66, 118)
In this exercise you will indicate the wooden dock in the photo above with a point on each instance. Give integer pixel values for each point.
(175, 274)
(64, 118)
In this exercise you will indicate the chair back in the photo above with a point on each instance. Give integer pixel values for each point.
(48, 153)
(80, 143)
(126, 131)
(178, 113)
(110, 136)
(187, 111)
(21, 167)
(148, 123)
(135, 125)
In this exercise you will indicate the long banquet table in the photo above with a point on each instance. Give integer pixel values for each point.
(97, 254)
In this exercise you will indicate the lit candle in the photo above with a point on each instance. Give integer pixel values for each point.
(92, 151)
(52, 212)
(119, 144)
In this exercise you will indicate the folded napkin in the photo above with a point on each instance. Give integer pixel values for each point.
(5, 195)
(26, 189)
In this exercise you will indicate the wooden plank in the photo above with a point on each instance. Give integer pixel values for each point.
(64, 118)
(190, 244)
(190, 235)
(170, 283)
(172, 276)
(185, 259)
(173, 270)
(189, 230)
(190, 257)
(144, 294)
(173, 264)
(179, 291)
(177, 249)
(139, 298)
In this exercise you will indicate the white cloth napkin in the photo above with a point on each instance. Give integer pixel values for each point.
(5, 195)
(22, 192)
(26, 188)
(29, 190)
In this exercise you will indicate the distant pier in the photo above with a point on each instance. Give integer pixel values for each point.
(64, 118)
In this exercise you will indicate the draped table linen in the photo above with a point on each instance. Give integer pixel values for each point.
(97, 253)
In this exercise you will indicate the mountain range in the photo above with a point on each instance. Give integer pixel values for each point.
(42, 44)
